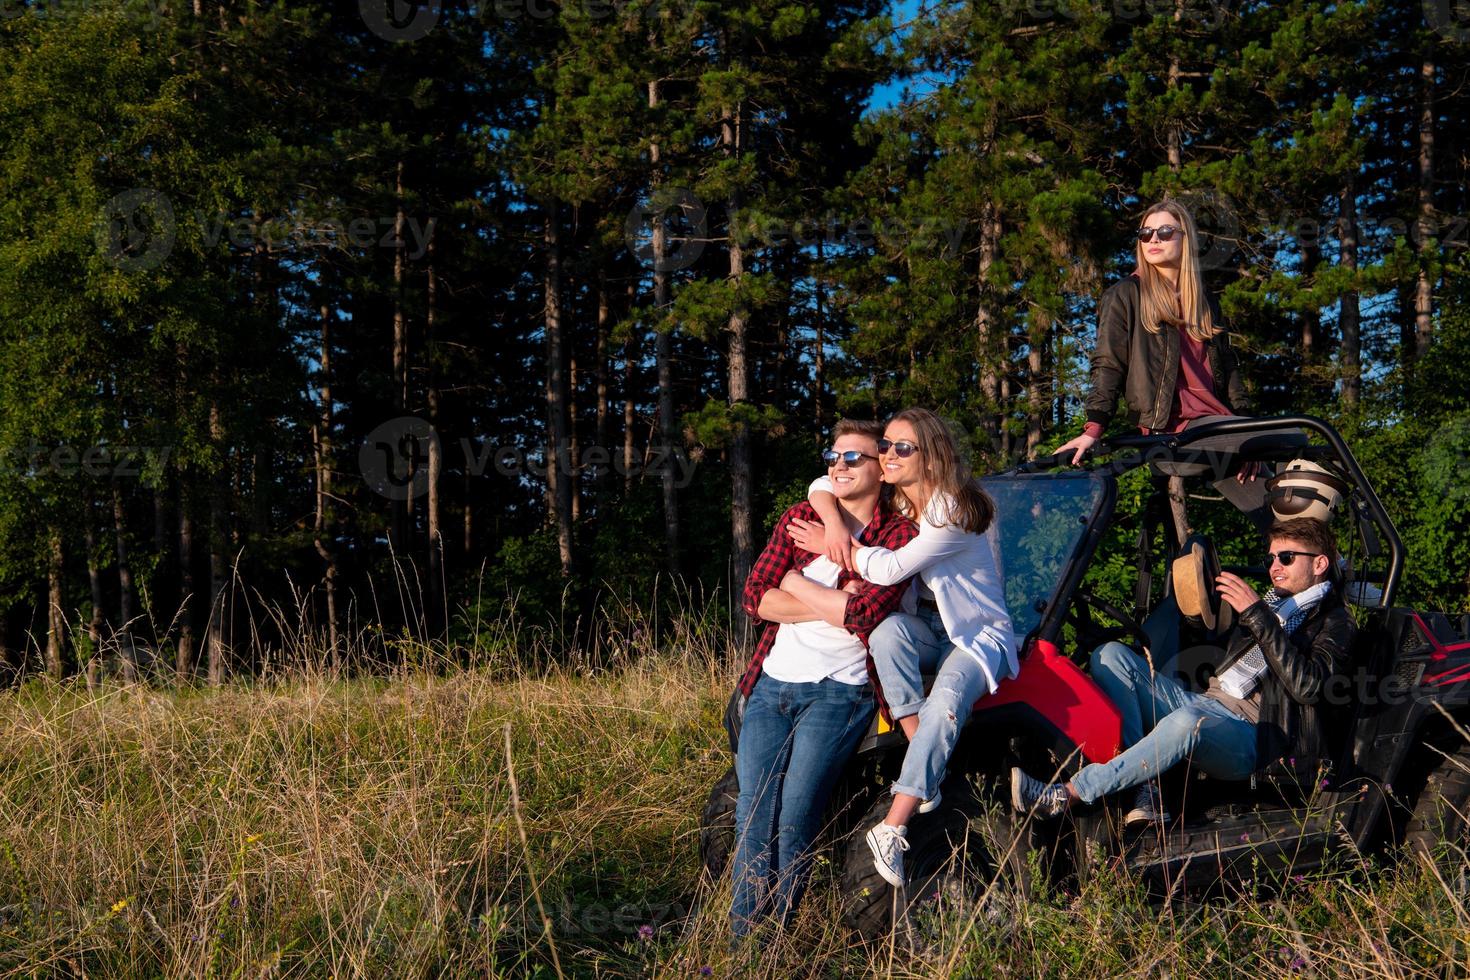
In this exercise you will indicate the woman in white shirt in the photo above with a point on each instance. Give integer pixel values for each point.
(962, 625)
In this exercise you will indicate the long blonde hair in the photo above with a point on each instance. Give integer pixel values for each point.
(970, 506)
(1158, 303)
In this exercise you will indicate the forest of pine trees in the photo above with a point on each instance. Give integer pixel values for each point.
(298, 300)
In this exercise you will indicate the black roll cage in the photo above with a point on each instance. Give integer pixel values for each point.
(1142, 450)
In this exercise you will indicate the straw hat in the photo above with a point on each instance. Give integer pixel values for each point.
(1194, 573)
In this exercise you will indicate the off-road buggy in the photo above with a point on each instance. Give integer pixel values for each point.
(1398, 770)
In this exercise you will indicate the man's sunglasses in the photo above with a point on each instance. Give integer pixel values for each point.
(903, 450)
(1165, 233)
(851, 457)
(1287, 557)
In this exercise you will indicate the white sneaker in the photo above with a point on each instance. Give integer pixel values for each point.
(888, 844)
(1147, 807)
(931, 804)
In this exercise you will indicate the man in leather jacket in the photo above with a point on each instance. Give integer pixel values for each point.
(1262, 708)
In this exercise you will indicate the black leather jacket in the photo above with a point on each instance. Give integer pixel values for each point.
(1289, 733)
(1145, 366)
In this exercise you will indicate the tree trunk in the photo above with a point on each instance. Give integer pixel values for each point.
(1309, 255)
(574, 445)
(1424, 286)
(94, 580)
(819, 346)
(663, 358)
(1348, 311)
(558, 475)
(436, 613)
(184, 661)
(160, 584)
(469, 516)
(602, 363)
(216, 641)
(402, 509)
(55, 613)
(630, 376)
(986, 328)
(127, 597)
(742, 553)
(1038, 399)
(1174, 134)
(324, 523)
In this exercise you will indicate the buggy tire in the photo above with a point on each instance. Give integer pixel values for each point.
(717, 826)
(1442, 815)
(952, 855)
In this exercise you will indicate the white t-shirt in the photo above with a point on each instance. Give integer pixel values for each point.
(815, 650)
(963, 571)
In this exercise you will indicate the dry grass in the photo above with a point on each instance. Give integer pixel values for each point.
(311, 825)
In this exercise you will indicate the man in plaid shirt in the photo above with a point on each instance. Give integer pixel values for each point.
(811, 689)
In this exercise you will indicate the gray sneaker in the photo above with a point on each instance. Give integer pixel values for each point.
(888, 844)
(1148, 807)
(1047, 799)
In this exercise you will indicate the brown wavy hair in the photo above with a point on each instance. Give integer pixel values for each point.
(947, 472)
(1189, 310)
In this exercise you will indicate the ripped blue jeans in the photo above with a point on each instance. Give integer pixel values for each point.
(903, 648)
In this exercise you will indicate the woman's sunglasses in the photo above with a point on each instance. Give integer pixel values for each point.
(851, 457)
(1165, 233)
(1287, 557)
(903, 450)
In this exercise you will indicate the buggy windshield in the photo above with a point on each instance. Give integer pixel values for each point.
(1040, 519)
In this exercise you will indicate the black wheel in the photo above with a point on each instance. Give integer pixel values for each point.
(1442, 814)
(952, 860)
(717, 826)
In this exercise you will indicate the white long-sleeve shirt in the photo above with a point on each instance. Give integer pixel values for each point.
(963, 571)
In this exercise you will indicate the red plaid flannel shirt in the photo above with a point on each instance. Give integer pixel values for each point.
(865, 610)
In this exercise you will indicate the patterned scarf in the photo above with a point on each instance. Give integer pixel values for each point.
(1241, 677)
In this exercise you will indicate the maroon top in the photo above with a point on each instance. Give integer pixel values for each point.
(865, 610)
(1194, 397)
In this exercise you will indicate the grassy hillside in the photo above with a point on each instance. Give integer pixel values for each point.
(419, 825)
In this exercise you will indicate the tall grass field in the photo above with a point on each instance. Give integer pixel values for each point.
(474, 819)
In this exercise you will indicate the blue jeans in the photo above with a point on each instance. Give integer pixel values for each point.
(794, 741)
(903, 647)
(1163, 724)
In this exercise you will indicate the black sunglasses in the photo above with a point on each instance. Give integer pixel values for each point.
(1287, 557)
(851, 457)
(903, 450)
(1165, 232)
